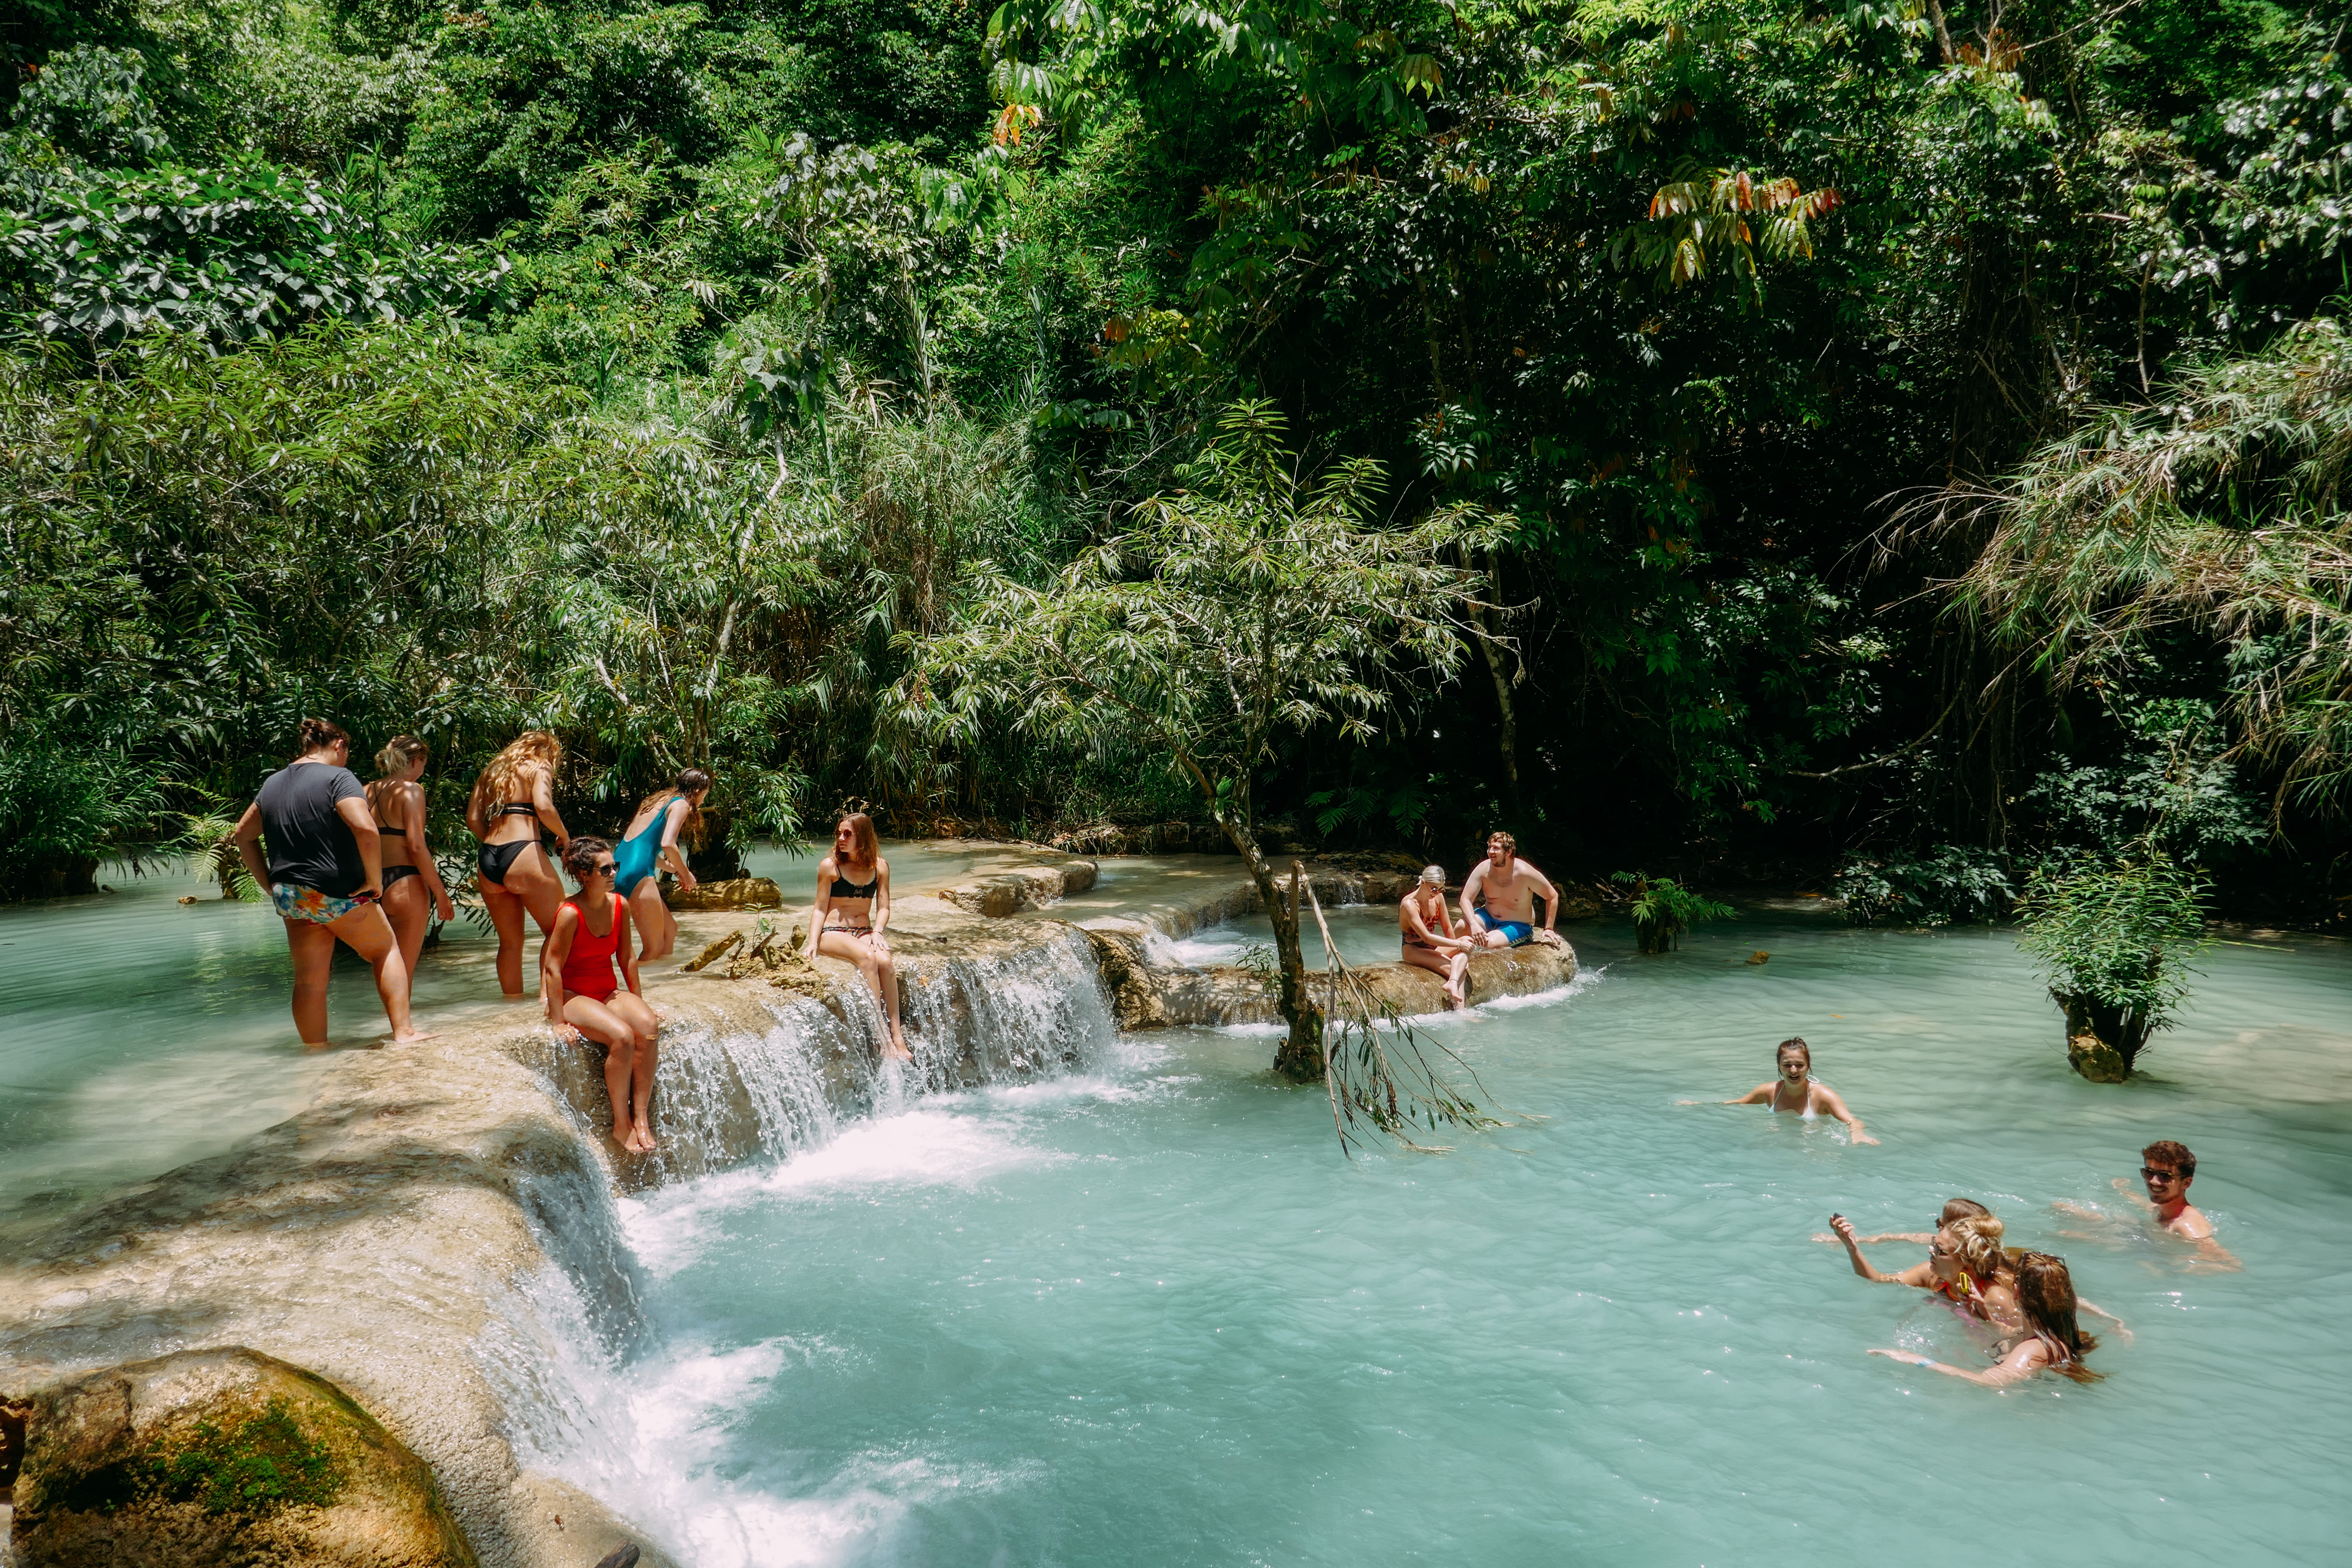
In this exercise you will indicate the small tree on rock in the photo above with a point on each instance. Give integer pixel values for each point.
(1253, 603)
(2112, 939)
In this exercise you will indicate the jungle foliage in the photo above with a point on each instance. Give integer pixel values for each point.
(1894, 419)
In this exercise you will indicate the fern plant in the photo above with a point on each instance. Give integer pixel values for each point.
(1663, 909)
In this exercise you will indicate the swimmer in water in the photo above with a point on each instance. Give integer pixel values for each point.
(2049, 1339)
(1957, 1209)
(1796, 1093)
(1964, 1265)
(2165, 1169)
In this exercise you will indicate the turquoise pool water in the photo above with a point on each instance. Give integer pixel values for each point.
(1151, 1316)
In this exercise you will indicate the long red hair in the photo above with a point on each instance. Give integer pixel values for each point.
(863, 847)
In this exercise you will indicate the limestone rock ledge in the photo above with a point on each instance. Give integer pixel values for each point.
(1229, 994)
(222, 1458)
(1012, 892)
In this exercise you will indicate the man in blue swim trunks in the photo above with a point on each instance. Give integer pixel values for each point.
(1510, 886)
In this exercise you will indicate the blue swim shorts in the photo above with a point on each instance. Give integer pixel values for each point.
(1518, 932)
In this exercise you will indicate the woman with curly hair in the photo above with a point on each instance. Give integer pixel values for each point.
(512, 803)
(1964, 1265)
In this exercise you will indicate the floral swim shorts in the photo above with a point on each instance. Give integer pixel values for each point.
(310, 904)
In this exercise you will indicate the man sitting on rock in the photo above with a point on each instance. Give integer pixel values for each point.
(1510, 886)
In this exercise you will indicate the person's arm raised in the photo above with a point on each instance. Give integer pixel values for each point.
(1845, 1229)
(353, 810)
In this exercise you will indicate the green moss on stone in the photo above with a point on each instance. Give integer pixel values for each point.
(263, 1464)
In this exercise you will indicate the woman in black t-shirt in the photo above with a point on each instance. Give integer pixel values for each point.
(325, 872)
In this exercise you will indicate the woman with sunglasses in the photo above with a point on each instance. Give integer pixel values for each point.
(585, 1002)
(853, 906)
(1964, 1265)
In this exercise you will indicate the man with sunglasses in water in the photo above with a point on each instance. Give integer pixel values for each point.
(2166, 1169)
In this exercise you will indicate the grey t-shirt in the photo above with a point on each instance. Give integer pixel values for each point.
(311, 845)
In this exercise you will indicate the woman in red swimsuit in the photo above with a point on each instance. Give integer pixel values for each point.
(586, 1001)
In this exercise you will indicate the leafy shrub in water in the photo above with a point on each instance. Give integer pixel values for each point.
(63, 809)
(1663, 910)
(1953, 883)
(2113, 938)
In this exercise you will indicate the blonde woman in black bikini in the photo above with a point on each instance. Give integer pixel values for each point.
(1794, 1092)
(413, 892)
(853, 905)
(1425, 921)
(512, 803)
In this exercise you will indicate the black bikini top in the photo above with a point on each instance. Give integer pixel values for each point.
(844, 889)
(519, 808)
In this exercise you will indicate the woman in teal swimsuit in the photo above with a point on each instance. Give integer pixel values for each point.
(652, 843)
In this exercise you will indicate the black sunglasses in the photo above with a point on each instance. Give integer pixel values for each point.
(2149, 1174)
(603, 868)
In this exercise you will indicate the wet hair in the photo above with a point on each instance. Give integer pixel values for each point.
(1433, 875)
(2177, 1155)
(502, 780)
(1976, 1243)
(580, 857)
(1510, 845)
(398, 753)
(317, 734)
(1794, 1044)
(865, 850)
(2045, 1293)
(690, 782)
(1963, 1208)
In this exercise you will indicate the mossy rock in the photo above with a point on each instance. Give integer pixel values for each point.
(222, 1458)
(2095, 1059)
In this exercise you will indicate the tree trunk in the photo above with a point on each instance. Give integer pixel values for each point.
(1507, 740)
(1300, 1059)
(1943, 33)
(2101, 1038)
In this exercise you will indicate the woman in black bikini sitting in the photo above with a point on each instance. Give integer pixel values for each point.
(853, 905)
(513, 801)
(413, 892)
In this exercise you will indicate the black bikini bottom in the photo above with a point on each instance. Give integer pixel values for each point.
(393, 874)
(493, 860)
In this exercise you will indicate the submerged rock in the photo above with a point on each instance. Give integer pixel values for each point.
(2095, 1059)
(738, 893)
(221, 1457)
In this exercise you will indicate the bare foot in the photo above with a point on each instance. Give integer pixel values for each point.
(642, 1141)
(625, 1136)
(412, 1036)
(897, 1051)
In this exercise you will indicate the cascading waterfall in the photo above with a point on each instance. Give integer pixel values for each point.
(593, 1394)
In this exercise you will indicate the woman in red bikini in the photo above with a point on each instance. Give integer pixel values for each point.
(586, 1001)
(1964, 1265)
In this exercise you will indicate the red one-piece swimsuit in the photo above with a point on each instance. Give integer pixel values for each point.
(588, 968)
